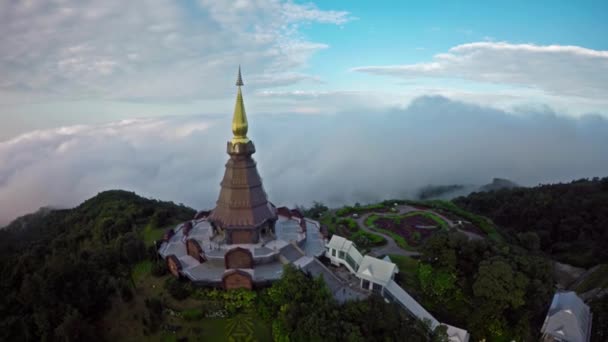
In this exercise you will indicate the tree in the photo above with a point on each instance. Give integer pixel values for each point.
(440, 334)
(499, 286)
(529, 240)
(75, 328)
(439, 285)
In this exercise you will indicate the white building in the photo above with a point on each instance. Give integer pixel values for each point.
(374, 273)
(568, 320)
(377, 275)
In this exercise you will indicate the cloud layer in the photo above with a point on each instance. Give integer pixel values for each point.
(151, 49)
(342, 158)
(555, 69)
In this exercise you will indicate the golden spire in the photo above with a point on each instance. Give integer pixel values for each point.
(239, 120)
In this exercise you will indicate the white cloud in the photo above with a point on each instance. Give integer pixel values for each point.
(351, 156)
(152, 49)
(557, 70)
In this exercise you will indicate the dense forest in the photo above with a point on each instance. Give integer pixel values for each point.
(568, 221)
(499, 292)
(59, 268)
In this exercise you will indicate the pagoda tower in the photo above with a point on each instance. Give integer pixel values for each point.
(243, 212)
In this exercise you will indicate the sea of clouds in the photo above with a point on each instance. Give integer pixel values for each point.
(336, 159)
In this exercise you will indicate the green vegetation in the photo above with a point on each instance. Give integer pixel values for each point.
(431, 191)
(141, 269)
(481, 222)
(440, 222)
(61, 268)
(371, 219)
(570, 219)
(151, 233)
(349, 228)
(597, 279)
(498, 292)
(316, 211)
(301, 308)
(361, 209)
(193, 314)
(408, 270)
(398, 239)
(363, 238)
(599, 332)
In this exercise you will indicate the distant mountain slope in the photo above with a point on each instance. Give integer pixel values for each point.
(570, 221)
(59, 267)
(499, 184)
(455, 190)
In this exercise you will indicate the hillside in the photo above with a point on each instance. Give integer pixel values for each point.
(59, 268)
(568, 221)
(451, 191)
(92, 274)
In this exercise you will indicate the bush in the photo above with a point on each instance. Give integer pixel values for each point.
(125, 291)
(364, 239)
(159, 269)
(192, 314)
(155, 309)
(233, 301)
(350, 223)
(178, 289)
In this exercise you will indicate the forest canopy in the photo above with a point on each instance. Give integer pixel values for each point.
(60, 267)
(568, 221)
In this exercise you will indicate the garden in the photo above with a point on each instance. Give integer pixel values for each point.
(409, 230)
(349, 228)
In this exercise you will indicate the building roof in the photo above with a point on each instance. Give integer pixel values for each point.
(339, 243)
(411, 304)
(568, 319)
(291, 252)
(376, 270)
(456, 334)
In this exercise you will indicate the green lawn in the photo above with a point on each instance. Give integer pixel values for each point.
(441, 222)
(371, 219)
(141, 270)
(408, 268)
(151, 234)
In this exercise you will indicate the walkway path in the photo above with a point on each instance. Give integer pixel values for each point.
(391, 246)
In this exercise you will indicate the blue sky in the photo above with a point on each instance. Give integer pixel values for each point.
(397, 32)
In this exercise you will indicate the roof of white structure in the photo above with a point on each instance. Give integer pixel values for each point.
(569, 318)
(378, 270)
(410, 303)
(339, 243)
(456, 334)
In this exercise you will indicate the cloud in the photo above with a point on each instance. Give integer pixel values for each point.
(356, 155)
(152, 49)
(557, 70)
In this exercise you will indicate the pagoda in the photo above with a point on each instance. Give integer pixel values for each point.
(242, 213)
(245, 240)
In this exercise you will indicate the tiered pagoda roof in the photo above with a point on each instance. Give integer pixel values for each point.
(242, 202)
